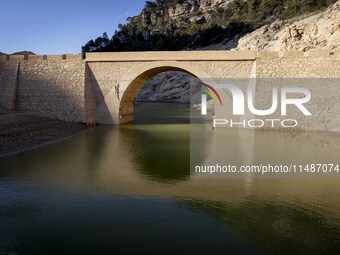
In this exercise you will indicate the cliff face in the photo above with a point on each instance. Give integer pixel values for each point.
(198, 9)
(190, 7)
(177, 18)
(318, 31)
(173, 87)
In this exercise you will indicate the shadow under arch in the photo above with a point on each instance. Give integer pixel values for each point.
(129, 88)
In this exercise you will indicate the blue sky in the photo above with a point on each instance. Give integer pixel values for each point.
(60, 26)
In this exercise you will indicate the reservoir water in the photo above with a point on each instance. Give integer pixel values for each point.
(128, 190)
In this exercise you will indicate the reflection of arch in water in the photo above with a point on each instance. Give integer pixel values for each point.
(159, 152)
(130, 87)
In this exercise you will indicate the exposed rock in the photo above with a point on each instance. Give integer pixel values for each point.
(206, 5)
(198, 19)
(194, 6)
(171, 86)
(317, 31)
(183, 9)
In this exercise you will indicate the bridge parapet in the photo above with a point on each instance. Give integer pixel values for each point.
(172, 56)
(232, 55)
(69, 57)
(298, 54)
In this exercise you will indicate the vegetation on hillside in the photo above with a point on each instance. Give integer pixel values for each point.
(155, 29)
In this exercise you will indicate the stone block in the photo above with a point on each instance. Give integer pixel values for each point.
(74, 57)
(337, 53)
(3, 57)
(292, 54)
(36, 57)
(17, 57)
(54, 57)
(269, 54)
(319, 53)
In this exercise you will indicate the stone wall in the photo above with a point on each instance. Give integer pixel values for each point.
(297, 64)
(52, 87)
(317, 71)
(8, 84)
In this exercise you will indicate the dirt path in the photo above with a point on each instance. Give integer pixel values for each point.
(21, 132)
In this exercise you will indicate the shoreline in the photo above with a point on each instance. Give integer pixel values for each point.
(21, 132)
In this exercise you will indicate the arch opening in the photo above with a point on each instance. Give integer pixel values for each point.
(154, 90)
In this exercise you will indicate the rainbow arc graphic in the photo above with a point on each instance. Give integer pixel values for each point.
(209, 90)
(214, 94)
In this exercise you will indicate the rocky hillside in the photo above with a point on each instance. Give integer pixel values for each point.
(194, 24)
(316, 31)
(313, 31)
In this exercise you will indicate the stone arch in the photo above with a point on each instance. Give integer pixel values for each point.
(135, 80)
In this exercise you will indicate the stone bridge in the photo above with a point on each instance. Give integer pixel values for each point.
(101, 87)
